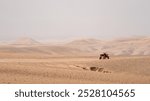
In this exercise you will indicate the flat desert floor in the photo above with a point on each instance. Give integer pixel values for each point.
(75, 70)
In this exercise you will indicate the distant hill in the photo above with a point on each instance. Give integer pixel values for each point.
(127, 46)
(85, 42)
(25, 41)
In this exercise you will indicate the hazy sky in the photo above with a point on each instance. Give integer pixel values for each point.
(64, 19)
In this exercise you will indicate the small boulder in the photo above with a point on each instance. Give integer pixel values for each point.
(93, 68)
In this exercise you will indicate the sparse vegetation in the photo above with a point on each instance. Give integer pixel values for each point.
(75, 70)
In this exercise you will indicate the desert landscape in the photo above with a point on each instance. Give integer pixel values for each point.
(27, 61)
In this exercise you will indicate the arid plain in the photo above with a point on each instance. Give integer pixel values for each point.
(27, 61)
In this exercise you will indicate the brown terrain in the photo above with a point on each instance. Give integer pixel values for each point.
(28, 61)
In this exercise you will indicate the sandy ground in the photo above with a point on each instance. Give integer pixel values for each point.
(78, 70)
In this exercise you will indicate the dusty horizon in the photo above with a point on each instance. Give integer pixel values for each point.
(122, 46)
(76, 38)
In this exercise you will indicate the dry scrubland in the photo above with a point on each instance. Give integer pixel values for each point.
(28, 61)
(74, 69)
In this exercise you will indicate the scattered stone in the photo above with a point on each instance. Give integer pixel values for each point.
(106, 72)
(84, 68)
(100, 69)
(93, 68)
